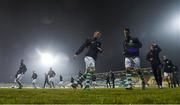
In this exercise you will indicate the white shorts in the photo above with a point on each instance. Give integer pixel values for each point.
(19, 77)
(34, 81)
(51, 79)
(61, 83)
(132, 62)
(166, 74)
(89, 62)
(93, 82)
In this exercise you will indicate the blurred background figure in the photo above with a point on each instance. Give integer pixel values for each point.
(34, 79)
(46, 81)
(20, 73)
(112, 79)
(61, 82)
(108, 84)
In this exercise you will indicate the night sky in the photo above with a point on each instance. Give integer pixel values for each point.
(61, 26)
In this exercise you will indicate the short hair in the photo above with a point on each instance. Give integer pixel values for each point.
(98, 32)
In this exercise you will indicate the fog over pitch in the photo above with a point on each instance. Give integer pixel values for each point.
(61, 26)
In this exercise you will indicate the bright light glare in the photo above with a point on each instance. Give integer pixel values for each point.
(175, 23)
(48, 59)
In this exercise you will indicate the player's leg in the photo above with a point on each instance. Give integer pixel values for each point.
(88, 80)
(90, 70)
(128, 66)
(49, 83)
(166, 78)
(83, 77)
(106, 84)
(61, 84)
(94, 84)
(18, 80)
(158, 77)
(14, 83)
(44, 83)
(171, 79)
(34, 83)
(174, 82)
(177, 80)
(137, 67)
(113, 83)
(53, 84)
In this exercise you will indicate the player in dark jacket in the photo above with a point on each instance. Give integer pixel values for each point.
(22, 70)
(167, 67)
(51, 75)
(34, 79)
(94, 48)
(131, 52)
(153, 58)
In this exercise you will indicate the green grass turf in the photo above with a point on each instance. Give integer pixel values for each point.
(93, 96)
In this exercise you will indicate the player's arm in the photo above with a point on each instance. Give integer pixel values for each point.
(80, 50)
(124, 48)
(99, 48)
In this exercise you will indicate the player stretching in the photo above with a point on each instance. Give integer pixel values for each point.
(19, 74)
(132, 61)
(153, 58)
(34, 79)
(94, 47)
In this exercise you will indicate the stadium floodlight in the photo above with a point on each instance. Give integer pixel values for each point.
(47, 59)
(50, 60)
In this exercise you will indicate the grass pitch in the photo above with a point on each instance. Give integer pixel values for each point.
(93, 96)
